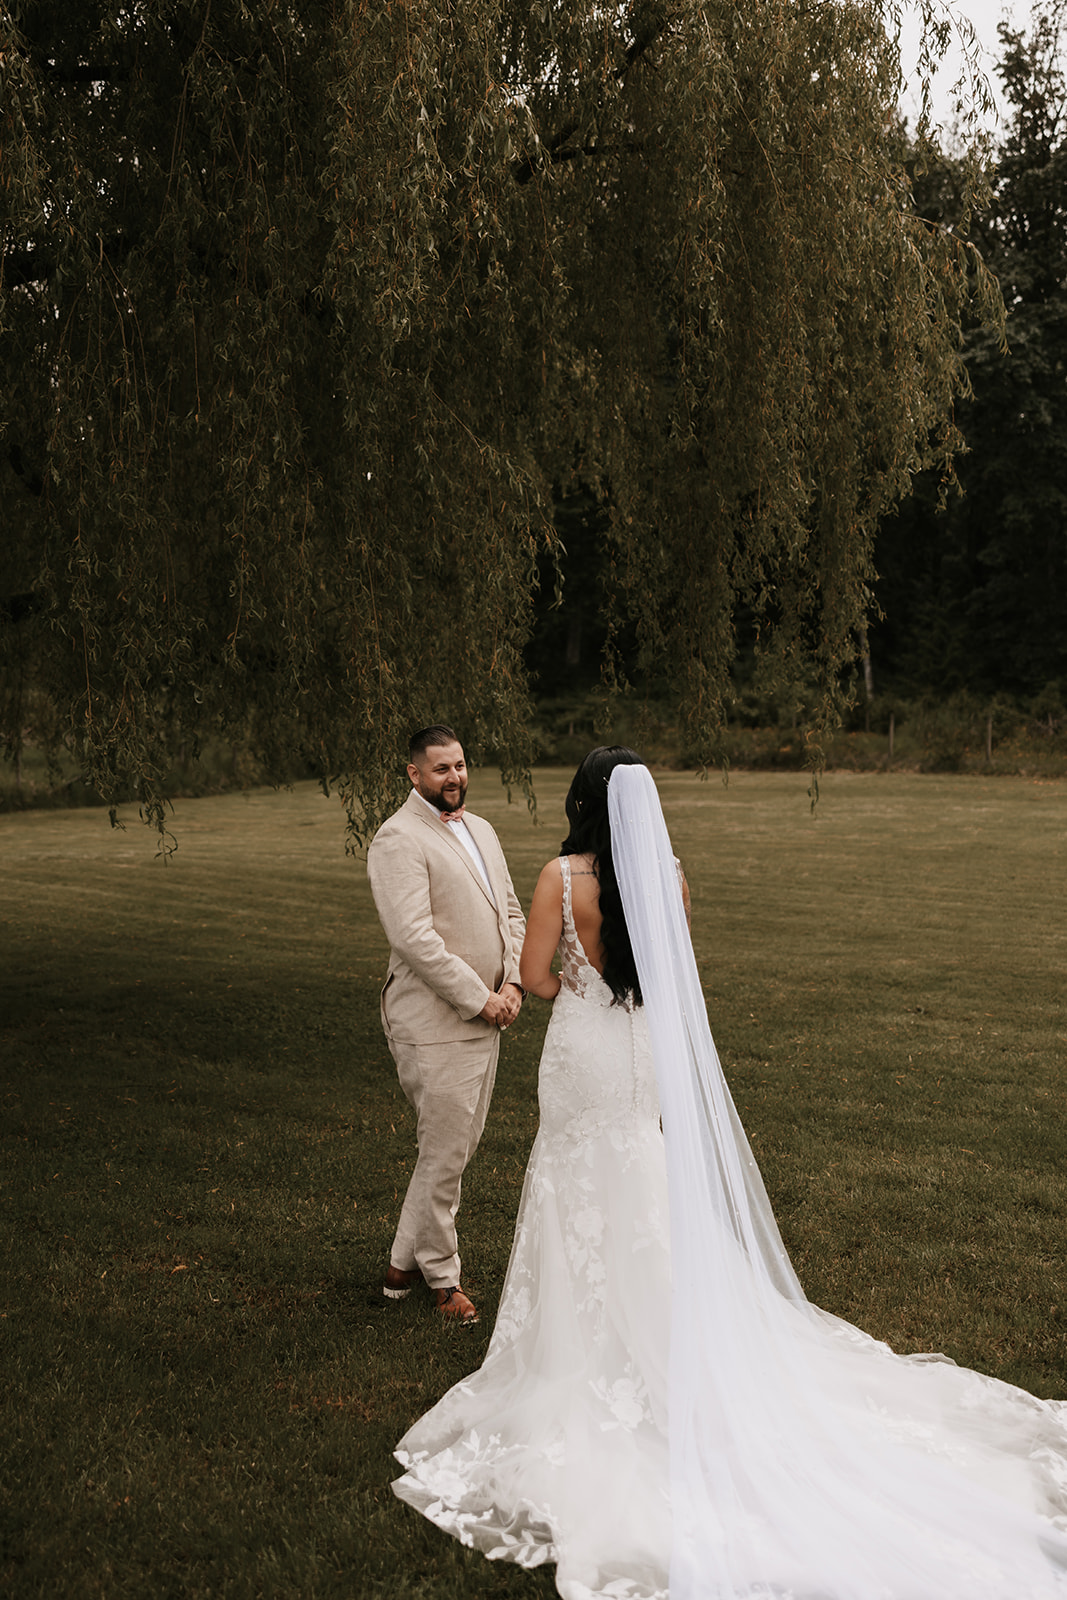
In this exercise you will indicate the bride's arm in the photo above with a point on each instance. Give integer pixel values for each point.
(544, 926)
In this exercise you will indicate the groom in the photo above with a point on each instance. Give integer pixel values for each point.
(455, 927)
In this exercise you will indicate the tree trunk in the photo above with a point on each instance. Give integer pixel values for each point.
(574, 639)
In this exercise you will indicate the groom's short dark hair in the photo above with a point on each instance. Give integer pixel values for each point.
(436, 733)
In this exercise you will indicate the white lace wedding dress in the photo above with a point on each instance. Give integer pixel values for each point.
(805, 1461)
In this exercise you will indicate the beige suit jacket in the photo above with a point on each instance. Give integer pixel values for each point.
(449, 946)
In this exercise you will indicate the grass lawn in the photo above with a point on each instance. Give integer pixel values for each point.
(203, 1149)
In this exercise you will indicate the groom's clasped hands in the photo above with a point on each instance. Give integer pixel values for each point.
(503, 1007)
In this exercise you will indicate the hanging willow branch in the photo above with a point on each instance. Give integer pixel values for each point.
(306, 312)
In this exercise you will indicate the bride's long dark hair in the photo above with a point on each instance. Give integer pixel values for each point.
(587, 812)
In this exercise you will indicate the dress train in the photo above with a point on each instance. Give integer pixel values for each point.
(805, 1460)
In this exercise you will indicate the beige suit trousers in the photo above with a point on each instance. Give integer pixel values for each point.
(450, 1085)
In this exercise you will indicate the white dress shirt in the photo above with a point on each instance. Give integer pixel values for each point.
(466, 839)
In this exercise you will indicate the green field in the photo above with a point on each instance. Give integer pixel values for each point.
(203, 1148)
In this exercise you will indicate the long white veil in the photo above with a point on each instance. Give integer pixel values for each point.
(807, 1461)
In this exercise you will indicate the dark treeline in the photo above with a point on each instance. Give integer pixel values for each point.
(971, 591)
(975, 595)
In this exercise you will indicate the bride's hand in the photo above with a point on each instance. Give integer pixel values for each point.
(497, 1009)
(512, 995)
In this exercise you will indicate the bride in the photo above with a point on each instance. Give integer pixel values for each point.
(661, 1411)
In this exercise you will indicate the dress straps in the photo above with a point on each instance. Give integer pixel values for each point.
(576, 972)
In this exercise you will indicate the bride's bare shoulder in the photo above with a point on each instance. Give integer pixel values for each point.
(549, 888)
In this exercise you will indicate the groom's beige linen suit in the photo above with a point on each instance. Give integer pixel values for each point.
(452, 943)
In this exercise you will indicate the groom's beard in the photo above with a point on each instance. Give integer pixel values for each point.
(449, 798)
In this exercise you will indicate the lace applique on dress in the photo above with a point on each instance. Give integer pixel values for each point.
(556, 1448)
(577, 972)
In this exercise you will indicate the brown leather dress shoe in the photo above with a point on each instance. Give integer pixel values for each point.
(453, 1303)
(398, 1285)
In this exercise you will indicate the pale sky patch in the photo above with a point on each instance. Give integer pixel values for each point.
(984, 16)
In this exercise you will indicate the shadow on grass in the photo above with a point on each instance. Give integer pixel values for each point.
(204, 1381)
(203, 1146)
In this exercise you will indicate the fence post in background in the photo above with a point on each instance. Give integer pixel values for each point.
(989, 740)
(892, 731)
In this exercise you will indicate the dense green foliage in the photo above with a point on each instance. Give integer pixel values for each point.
(976, 597)
(308, 315)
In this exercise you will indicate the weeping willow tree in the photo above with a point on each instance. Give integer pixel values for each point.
(306, 313)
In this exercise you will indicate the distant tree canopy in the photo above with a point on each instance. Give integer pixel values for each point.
(307, 313)
(975, 596)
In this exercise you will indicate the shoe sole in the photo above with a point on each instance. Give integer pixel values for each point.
(395, 1294)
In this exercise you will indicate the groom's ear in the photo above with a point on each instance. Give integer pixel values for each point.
(413, 773)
